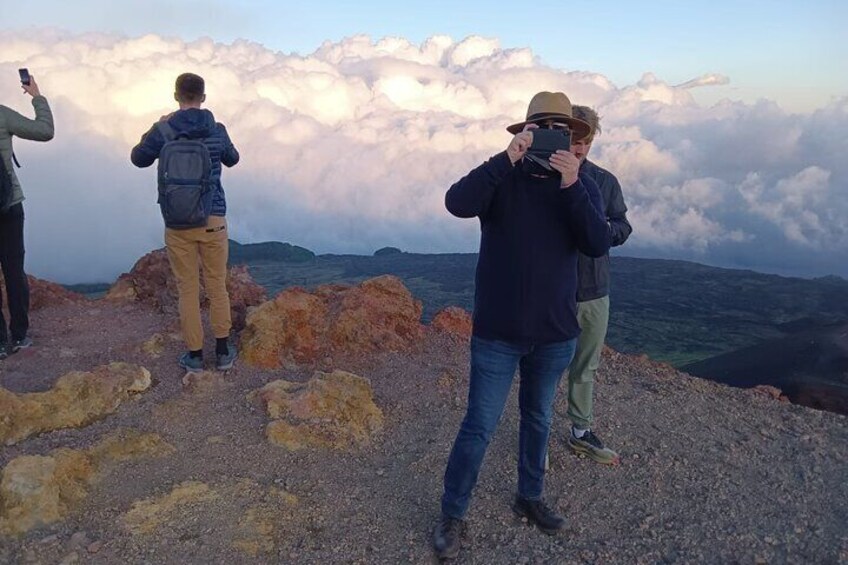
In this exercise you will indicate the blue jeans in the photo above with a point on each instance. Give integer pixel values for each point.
(493, 365)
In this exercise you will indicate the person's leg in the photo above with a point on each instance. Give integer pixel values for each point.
(493, 365)
(593, 317)
(17, 286)
(183, 252)
(541, 371)
(214, 249)
(4, 330)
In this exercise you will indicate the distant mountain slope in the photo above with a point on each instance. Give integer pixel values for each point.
(810, 366)
(268, 251)
(674, 311)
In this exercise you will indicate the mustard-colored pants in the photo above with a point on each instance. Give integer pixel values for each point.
(187, 251)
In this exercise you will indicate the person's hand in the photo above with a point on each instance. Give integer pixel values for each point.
(32, 87)
(520, 143)
(568, 166)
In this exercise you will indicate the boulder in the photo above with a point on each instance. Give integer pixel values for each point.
(299, 326)
(44, 293)
(151, 282)
(331, 410)
(453, 321)
(77, 399)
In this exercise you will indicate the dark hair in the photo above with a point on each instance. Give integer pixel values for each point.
(190, 87)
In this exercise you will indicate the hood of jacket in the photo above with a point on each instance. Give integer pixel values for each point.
(194, 123)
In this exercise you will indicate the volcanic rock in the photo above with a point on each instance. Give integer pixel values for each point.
(44, 293)
(151, 281)
(41, 489)
(297, 326)
(331, 410)
(77, 399)
(454, 321)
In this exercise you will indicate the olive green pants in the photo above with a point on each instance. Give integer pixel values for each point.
(187, 251)
(593, 317)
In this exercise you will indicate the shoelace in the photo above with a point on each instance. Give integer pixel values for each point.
(592, 439)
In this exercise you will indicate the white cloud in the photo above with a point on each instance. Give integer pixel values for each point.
(352, 147)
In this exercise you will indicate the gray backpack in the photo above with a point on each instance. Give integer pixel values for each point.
(185, 189)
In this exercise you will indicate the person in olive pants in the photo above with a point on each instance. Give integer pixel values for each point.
(593, 303)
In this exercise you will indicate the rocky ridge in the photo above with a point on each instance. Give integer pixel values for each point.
(327, 443)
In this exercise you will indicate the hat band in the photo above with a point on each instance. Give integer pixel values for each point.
(542, 115)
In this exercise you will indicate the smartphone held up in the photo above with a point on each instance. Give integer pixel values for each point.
(25, 78)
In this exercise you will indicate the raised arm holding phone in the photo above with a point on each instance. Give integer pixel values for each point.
(14, 124)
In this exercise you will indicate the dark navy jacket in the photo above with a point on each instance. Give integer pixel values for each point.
(526, 279)
(593, 274)
(197, 124)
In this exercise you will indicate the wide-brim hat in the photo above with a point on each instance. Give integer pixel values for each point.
(552, 106)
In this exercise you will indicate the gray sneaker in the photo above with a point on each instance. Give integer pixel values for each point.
(591, 446)
(191, 364)
(226, 362)
(4, 351)
(18, 344)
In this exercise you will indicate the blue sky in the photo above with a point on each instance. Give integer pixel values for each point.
(787, 51)
(748, 173)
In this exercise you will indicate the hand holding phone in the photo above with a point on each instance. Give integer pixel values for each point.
(28, 83)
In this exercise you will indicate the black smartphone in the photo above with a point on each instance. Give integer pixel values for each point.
(548, 141)
(24, 76)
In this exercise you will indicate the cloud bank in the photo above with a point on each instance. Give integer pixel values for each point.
(352, 147)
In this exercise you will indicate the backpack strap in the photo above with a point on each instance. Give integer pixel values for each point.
(167, 131)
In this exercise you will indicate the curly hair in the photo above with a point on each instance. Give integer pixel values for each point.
(589, 116)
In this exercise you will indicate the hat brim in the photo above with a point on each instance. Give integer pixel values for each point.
(579, 128)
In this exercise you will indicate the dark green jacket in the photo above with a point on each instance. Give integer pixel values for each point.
(14, 124)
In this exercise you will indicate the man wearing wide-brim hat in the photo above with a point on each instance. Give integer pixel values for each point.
(533, 222)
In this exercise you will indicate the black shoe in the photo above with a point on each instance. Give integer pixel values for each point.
(537, 512)
(446, 536)
(18, 344)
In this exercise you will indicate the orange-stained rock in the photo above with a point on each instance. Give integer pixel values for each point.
(454, 321)
(77, 399)
(41, 489)
(244, 292)
(331, 410)
(297, 326)
(43, 293)
(151, 281)
(770, 391)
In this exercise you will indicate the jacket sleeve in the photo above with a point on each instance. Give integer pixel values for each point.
(472, 195)
(620, 228)
(584, 205)
(230, 155)
(39, 129)
(147, 151)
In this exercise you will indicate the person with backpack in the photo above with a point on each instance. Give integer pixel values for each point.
(191, 147)
(13, 124)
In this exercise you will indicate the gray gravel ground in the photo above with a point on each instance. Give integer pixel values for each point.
(709, 473)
